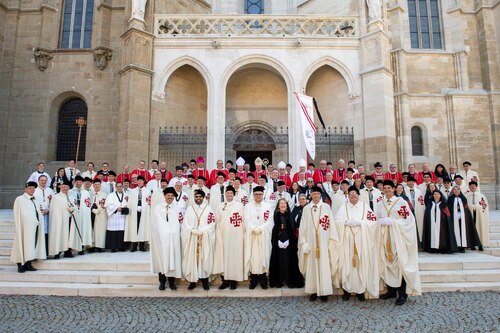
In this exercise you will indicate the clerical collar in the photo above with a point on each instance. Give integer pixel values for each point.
(40, 172)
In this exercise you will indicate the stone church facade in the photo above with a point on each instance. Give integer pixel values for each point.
(402, 81)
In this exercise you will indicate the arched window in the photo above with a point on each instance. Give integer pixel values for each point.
(254, 6)
(425, 24)
(67, 131)
(77, 24)
(417, 141)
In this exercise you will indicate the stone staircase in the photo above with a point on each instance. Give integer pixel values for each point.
(127, 274)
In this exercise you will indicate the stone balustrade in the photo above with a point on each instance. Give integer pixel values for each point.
(310, 26)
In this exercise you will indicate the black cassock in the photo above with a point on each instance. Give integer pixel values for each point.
(284, 265)
(470, 228)
(447, 240)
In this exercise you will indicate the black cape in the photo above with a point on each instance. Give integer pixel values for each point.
(470, 228)
(447, 240)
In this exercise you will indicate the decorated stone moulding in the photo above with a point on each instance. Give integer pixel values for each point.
(42, 57)
(101, 56)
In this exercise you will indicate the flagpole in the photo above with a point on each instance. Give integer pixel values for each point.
(80, 121)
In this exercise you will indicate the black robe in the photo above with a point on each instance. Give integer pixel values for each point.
(284, 264)
(470, 228)
(447, 240)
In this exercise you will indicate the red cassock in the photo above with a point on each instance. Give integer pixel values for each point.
(165, 174)
(420, 178)
(397, 176)
(202, 172)
(319, 176)
(257, 174)
(378, 176)
(296, 176)
(145, 173)
(122, 176)
(213, 175)
(242, 175)
(286, 179)
(339, 174)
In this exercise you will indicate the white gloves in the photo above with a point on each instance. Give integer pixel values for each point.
(139, 209)
(196, 232)
(257, 231)
(71, 209)
(305, 248)
(386, 221)
(96, 211)
(283, 245)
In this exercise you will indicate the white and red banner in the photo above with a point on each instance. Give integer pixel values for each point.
(306, 109)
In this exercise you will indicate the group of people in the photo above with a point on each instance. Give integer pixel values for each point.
(322, 228)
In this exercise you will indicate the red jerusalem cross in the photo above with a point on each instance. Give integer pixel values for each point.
(325, 222)
(403, 212)
(211, 218)
(235, 220)
(370, 216)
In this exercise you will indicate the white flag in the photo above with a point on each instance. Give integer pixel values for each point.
(306, 108)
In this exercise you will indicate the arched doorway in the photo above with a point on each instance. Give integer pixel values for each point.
(254, 143)
(67, 130)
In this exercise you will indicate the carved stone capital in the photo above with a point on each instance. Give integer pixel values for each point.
(42, 57)
(101, 56)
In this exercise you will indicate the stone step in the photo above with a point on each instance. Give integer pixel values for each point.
(494, 236)
(5, 260)
(7, 228)
(461, 286)
(494, 229)
(494, 243)
(460, 276)
(7, 235)
(7, 223)
(494, 222)
(6, 242)
(494, 251)
(471, 260)
(5, 251)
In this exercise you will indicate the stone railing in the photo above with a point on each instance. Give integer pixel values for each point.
(169, 26)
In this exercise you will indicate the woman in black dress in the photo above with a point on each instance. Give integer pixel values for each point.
(438, 234)
(462, 222)
(284, 265)
(59, 178)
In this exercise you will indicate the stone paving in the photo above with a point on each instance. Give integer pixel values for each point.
(432, 312)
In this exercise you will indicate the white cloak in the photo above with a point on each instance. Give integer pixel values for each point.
(258, 246)
(479, 205)
(132, 233)
(59, 224)
(116, 221)
(83, 220)
(101, 220)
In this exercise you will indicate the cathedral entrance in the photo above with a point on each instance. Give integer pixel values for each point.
(254, 143)
(251, 155)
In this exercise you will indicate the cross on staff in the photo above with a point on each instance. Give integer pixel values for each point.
(80, 122)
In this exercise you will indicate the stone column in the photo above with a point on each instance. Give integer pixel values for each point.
(378, 98)
(216, 130)
(135, 97)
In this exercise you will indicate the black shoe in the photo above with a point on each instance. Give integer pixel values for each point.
(481, 248)
(473, 248)
(99, 250)
(401, 300)
(81, 253)
(28, 267)
(204, 282)
(68, 254)
(162, 286)
(346, 296)
(233, 285)
(20, 268)
(461, 250)
(122, 249)
(92, 250)
(253, 281)
(57, 256)
(192, 285)
(313, 297)
(390, 294)
(263, 281)
(323, 298)
(113, 251)
(225, 284)
(361, 297)
(134, 247)
(171, 283)
(142, 249)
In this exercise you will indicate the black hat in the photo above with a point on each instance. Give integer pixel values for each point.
(352, 161)
(390, 183)
(350, 169)
(87, 179)
(157, 162)
(202, 178)
(369, 178)
(280, 183)
(411, 179)
(334, 182)
(31, 184)
(178, 168)
(467, 162)
(472, 183)
(78, 177)
(316, 189)
(199, 192)
(263, 177)
(406, 173)
(170, 190)
(426, 173)
(258, 189)
(163, 180)
(126, 180)
(238, 178)
(232, 170)
(100, 173)
(97, 180)
(190, 176)
(288, 165)
(230, 162)
(230, 188)
(458, 176)
(345, 182)
(220, 173)
(378, 165)
(353, 188)
(250, 175)
(141, 177)
(312, 164)
(446, 180)
(112, 173)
